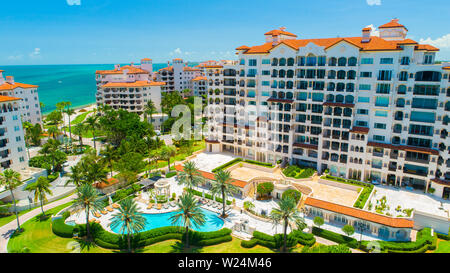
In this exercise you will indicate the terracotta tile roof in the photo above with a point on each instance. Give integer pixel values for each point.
(375, 44)
(8, 98)
(392, 24)
(146, 59)
(446, 67)
(280, 31)
(187, 68)
(338, 104)
(404, 148)
(395, 222)
(360, 130)
(8, 86)
(367, 29)
(244, 47)
(441, 181)
(169, 68)
(199, 78)
(131, 70)
(102, 185)
(210, 176)
(132, 84)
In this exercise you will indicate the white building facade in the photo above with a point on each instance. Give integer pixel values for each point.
(368, 108)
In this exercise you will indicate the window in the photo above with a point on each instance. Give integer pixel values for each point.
(428, 59)
(378, 138)
(382, 101)
(380, 126)
(363, 111)
(386, 61)
(404, 61)
(423, 116)
(361, 123)
(265, 83)
(18, 138)
(16, 128)
(15, 117)
(21, 159)
(364, 99)
(383, 88)
(384, 75)
(252, 62)
(364, 87)
(242, 62)
(265, 61)
(380, 113)
(365, 74)
(367, 61)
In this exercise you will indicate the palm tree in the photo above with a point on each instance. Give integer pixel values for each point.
(53, 131)
(275, 218)
(190, 176)
(92, 122)
(286, 212)
(129, 218)
(11, 180)
(166, 153)
(79, 129)
(60, 108)
(149, 109)
(69, 112)
(88, 198)
(109, 155)
(27, 126)
(94, 171)
(189, 213)
(41, 188)
(76, 176)
(223, 186)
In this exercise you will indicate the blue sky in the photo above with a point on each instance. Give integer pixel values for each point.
(118, 31)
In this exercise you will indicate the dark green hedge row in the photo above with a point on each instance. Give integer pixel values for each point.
(424, 241)
(443, 236)
(207, 196)
(366, 191)
(171, 174)
(276, 241)
(335, 237)
(297, 172)
(111, 240)
(226, 165)
(264, 164)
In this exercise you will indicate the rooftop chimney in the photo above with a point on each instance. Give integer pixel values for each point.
(117, 67)
(132, 64)
(2, 80)
(10, 79)
(366, 34)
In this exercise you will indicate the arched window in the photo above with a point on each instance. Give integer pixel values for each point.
(330, 98)
(289, 84)
(351, 74)
(274, 73)
(340, 86)
(350, 87)
(282, 73)
(352, 61)
(341, 74)
(274, 62)
(290, 73)
(282, 61)
(331, 74)
(311, 60)
(332, 61)
(289, 95)
(281, 95)
(331, 86)
(290, 61)
(400, 102)
(281, 84)
(447, 106)
(340, 98)
(342, 61)
(401, 89)
(349, 99)
(274, 94)
(287, 107)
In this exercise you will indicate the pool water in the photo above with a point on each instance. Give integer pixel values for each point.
(212, 221)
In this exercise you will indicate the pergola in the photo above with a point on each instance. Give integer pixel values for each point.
(162, 188)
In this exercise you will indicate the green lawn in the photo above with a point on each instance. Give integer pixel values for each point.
(443, 246)
(79, 118)
(7, 219)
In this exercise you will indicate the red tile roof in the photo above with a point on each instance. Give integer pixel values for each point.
(210, 176)
(8, 86)
(199, 78)
(361, 214)
(280, 31)
(8, 98)
(244, 47)
(441, 181)
(392, 24)
(131, 70)
(306, 145)
(338, 104)
(360, 130)
(102, 185)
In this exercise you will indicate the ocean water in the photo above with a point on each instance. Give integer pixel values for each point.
(74, 83)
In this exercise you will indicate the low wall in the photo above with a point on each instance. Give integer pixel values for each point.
(251, 166)
(438, 223)
(339, 185)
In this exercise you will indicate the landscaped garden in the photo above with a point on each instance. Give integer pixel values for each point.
(297, 172)
(363, 196)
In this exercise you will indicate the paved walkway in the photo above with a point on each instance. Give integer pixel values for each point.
(6, 230)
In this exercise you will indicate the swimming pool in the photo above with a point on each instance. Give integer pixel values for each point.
(212, 221)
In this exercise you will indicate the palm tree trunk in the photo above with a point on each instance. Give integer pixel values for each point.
(285, 234)
(93, 138)
(42, 206)
(223, 203)
(129, 242)
(80, 138)
(15, 209)
(187, 237)
(87, 222)
(168, 165)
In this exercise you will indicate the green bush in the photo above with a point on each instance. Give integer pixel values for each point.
(276, 241)
(335, 237)
(363, 197)
(171, 174)
(226, 165)
(295, 194)
(264, 188)
(60, 228)
(264, 164)
(297, 172)
(207, 196)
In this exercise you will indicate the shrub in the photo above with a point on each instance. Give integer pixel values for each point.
(226, 165)
(276, 241)
(295, 194)
(348, 229)
(297, 172)
(60, 228)
(171, 174)
(207, 196)
(318, 221)
(335, 237)
(265, 188)
(264, 164)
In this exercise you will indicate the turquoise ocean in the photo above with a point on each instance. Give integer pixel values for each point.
(74, 83)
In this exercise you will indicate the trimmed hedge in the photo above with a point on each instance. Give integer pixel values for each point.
(424, 241)
(363, 197)
(207, 196)
(226, 165)
(60, 228)
(264, 164)
(335, 237)
(276, 241)
(295, 171)
(170, 174)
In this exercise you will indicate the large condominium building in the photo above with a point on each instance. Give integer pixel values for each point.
(178, 76)
(129, 87)
(12, 142)
(29, 106)
(368, 107)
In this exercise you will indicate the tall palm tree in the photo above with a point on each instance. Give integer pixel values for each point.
(76, 176)
(53, 131)
(27, 126)
(223, 186)
(287, 211)
(41, 188)
(149, 109)
(60, 108)
(275, 218)
(109, 156)
(78, 130)
(11, 180)
(88, 198)
(129, 219)
(190, 176)
(166, 153)
(69, 112)
(94, 171)
(188, 214)
(92, 123)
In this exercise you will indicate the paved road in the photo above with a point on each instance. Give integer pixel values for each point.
(6, 230)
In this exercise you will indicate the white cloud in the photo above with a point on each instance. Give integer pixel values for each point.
(441, 42)
(373, 2)
(375, 31)
(36, 53)
(15, 57)
(73, 2)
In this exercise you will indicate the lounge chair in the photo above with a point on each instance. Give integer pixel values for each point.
(96, 214)
(159, 206)
(173, 204)
(108, 208)
(92, 220)
(97, 221)
(104, 212)
(150, 205)
(166, 206)
(115, 205)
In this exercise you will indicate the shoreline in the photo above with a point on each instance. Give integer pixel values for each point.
(76, 108)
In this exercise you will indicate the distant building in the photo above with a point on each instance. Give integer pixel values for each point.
(178, 76)
(29, 106)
